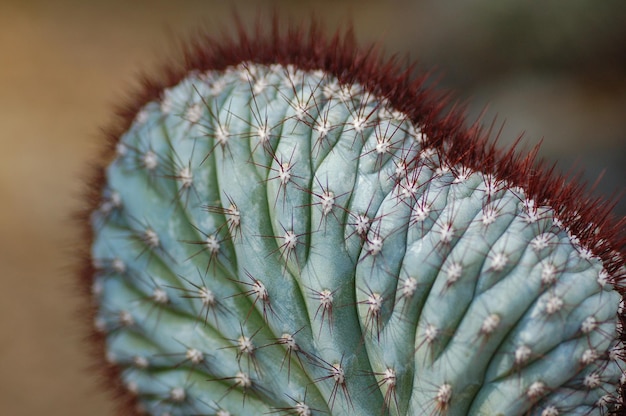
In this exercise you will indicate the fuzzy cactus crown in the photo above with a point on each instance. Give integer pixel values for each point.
(287, 224)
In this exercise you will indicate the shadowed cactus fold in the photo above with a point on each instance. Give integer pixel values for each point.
(280, 231)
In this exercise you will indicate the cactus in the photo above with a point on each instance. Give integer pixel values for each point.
(289, 226)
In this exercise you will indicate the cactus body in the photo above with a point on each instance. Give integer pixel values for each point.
(271, 239)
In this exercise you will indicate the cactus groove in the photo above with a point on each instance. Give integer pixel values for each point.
(275, 237)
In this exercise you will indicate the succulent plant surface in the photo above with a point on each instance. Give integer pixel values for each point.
(275, 234)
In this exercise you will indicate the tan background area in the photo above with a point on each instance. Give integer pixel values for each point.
(556, 73)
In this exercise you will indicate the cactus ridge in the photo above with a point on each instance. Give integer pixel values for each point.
(271, 240)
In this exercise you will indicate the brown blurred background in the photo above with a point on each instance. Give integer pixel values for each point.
(556, 71)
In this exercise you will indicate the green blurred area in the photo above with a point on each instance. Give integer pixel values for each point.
(556, 70)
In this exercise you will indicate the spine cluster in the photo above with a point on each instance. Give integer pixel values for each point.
(270, 240)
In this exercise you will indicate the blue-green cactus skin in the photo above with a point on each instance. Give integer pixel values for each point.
(271, 241)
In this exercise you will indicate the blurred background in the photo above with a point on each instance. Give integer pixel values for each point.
(554, 70)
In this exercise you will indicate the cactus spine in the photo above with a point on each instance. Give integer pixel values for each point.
(278, 237)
